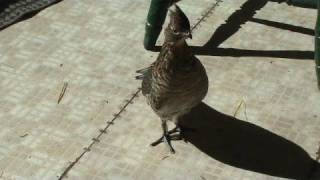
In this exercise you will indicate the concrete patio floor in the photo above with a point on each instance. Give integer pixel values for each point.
(262, 73)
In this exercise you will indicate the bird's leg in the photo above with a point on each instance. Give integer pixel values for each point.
(166, 138)
(180, 130)
(177, 129)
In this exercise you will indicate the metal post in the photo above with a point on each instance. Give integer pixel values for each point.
(317, 45)
(156, 17)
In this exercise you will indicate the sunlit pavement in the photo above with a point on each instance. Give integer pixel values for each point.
(259, 60)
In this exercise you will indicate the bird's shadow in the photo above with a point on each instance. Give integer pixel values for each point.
(245, 145)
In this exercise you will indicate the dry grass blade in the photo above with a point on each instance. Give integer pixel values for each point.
(242, 102)
(238, 108)
(25, 135)
(203, 178)
(63, 91)
(165, 157)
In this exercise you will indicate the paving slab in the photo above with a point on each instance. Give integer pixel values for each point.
(260, 119)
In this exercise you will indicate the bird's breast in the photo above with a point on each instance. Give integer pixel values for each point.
(180, 89)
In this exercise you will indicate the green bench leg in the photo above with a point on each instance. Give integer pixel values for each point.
(156, 17)
(303, 3)
(317, 45)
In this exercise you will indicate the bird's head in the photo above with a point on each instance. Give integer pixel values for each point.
(179, 25)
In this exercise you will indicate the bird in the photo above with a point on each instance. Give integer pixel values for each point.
(177, 81)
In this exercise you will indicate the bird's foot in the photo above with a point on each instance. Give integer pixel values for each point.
(167, 138)
(175, 134)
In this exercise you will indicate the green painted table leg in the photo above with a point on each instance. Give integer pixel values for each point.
(303, 3)
(156, 17)
(317, 45)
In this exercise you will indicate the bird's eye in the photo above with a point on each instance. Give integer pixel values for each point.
(175, 31)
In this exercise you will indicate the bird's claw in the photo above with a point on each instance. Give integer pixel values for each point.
(167, 138)
(174, 134)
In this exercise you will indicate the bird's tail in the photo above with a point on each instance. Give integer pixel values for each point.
(142, 73)
(139, 77)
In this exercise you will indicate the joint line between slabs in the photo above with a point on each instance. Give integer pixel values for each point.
(97, 138)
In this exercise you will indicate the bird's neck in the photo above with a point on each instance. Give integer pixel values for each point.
(179, 47)
(176, 56)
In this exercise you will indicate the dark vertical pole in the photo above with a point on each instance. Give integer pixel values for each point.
(156, 17)
(317, 45)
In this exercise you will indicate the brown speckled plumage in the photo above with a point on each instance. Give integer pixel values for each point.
(176, 81)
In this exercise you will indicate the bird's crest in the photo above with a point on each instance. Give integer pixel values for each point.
(179, 22)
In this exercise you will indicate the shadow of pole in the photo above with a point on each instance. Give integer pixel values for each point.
(245, 145)
(233, 52)
(234, 22)
(284, 26)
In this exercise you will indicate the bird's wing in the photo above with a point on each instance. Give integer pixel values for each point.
(158, 99)
(146, 82)
(146, 77)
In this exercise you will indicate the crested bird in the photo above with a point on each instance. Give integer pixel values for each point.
(177, 81)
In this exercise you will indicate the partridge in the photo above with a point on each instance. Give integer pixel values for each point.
(177, 81)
